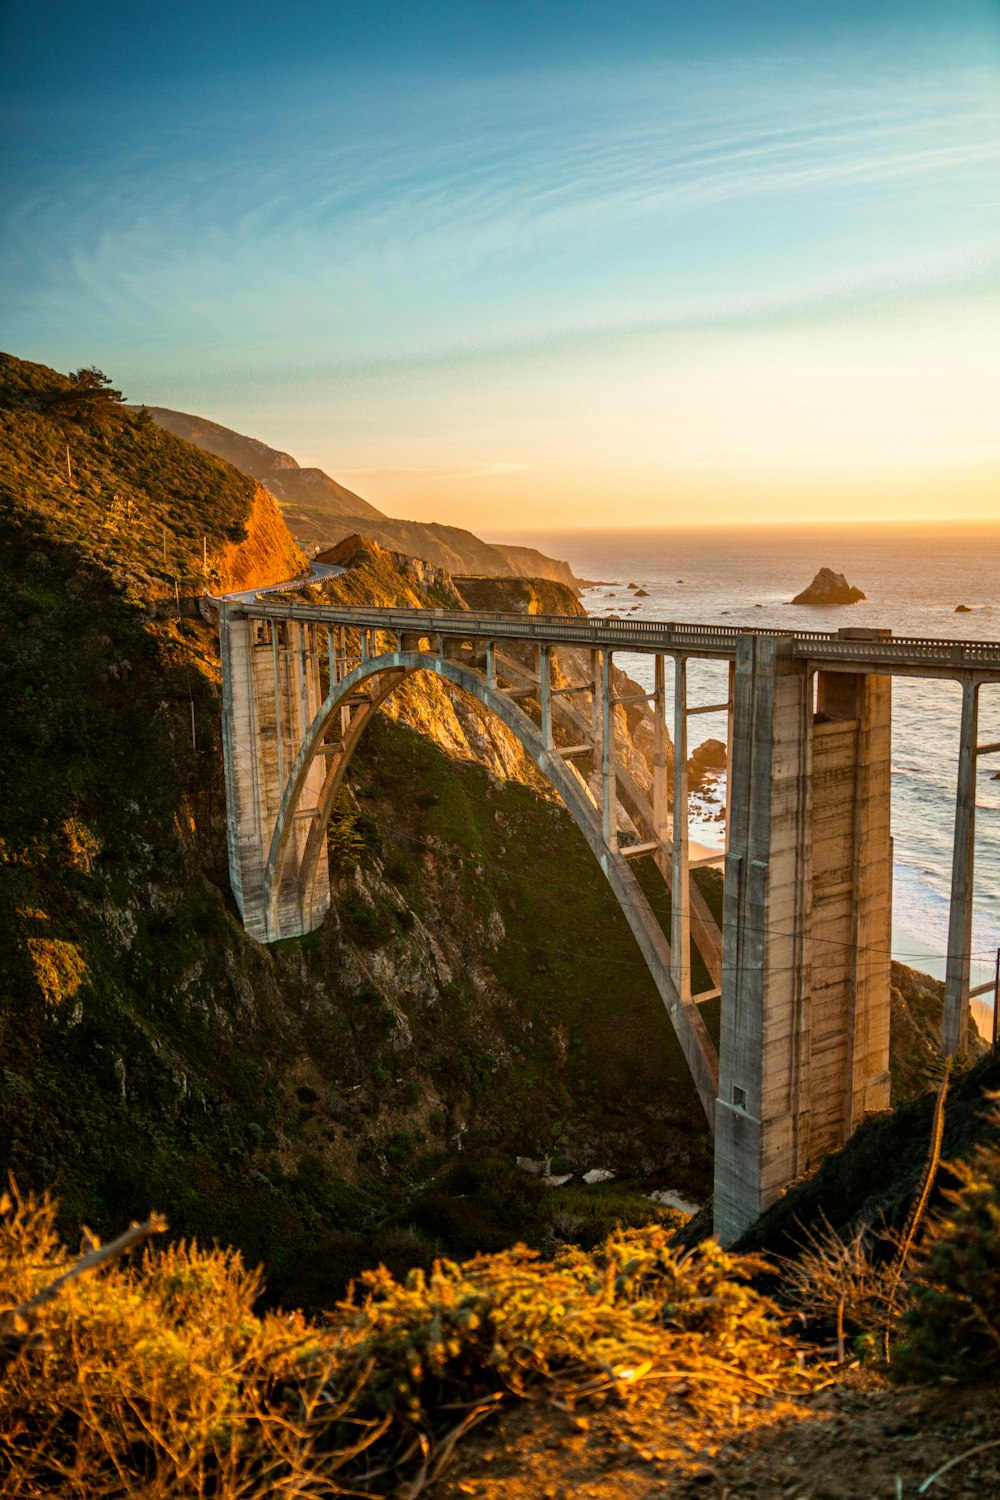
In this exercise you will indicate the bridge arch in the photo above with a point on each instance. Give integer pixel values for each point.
(390, 670)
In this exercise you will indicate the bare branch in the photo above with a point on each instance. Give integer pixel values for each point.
(94, 1259)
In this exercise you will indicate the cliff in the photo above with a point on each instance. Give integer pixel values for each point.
(528, 562)
(321, 512)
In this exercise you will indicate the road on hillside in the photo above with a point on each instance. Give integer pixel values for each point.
(318, 573)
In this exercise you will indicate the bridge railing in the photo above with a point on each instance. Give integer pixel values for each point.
(942, 654)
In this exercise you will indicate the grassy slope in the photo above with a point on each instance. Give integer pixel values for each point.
(150, 1052)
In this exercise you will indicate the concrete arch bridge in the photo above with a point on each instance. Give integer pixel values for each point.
(802, 961)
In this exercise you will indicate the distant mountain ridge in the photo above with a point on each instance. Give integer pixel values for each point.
(320, 512)
(302, 493)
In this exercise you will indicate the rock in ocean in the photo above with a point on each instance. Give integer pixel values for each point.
(829, 587)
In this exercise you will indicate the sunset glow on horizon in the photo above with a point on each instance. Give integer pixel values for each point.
(514, 266)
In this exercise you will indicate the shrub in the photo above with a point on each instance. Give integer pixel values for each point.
(365, 925)
(157, 1377)
(952, 1325)
(344, 838)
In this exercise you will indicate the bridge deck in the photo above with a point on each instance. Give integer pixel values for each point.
(892, 655)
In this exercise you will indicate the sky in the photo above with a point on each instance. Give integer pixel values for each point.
(529, 265)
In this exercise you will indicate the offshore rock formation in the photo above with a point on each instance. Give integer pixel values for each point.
(710, 755)
(828, 588)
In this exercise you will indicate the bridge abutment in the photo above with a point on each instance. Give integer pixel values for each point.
(271, 691)
(807, 925)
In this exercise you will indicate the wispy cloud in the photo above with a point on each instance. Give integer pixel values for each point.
(310, 217)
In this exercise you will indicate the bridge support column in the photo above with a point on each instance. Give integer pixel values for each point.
(807, 926)
(661, 827)
(270, 685)
(545, 695)
(609, 796)
(955, 1021)
(680, 888)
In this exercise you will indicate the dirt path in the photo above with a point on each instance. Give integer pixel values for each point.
(840, 1445)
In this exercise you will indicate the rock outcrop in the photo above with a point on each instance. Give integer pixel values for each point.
(828, 588)
(709, 756)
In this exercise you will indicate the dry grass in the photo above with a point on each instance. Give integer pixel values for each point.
(158, 1374)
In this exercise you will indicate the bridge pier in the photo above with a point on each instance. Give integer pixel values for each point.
(271, 691)
(807, 924)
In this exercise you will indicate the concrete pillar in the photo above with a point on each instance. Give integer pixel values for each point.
(807, 926)
(609, 799)
(595, 697)
(269, 686)
(731, 701)
(545, 695)
(680, 894)
(764, 979)
(661, 828)
(955, 1021)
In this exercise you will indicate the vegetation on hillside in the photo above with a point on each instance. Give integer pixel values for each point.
(160, 1373)
(299, 1101)
(79, 468)
(952, 1324)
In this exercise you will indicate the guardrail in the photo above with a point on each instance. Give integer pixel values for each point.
(942, 656)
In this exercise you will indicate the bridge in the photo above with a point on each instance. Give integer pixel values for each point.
(802, 960)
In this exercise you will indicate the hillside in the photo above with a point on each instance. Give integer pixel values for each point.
(334, 1100)
(307, 496)
(361, 1095)
(320, 512)
(296, 1101)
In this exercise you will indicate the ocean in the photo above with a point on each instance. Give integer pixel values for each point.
(914, 580)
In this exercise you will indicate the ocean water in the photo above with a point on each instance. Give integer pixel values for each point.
(913, 580)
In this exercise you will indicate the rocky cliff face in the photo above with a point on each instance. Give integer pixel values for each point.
(264, 554)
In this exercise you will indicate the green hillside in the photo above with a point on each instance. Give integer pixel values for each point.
(150, 1052)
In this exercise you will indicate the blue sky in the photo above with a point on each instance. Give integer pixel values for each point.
(529, 264)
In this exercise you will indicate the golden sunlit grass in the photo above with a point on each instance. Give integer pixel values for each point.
(159, 1373)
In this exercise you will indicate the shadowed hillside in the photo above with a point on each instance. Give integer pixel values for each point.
(295, 1101)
